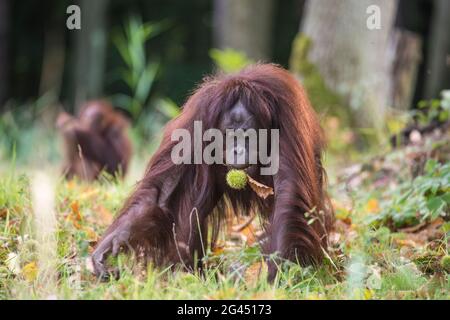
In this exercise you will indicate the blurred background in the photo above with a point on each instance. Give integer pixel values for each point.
(147, 56)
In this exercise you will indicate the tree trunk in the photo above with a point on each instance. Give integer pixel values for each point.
(408, 48)
(244, 25)
(90, 51)
(353, 60)
(53, 62)
(4, 48)
(438, 64)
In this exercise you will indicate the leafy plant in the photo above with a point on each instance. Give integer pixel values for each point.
(18, 130)
(138, 73)
(433, 110)
(229, 60)
(425, 198)
(167, 107)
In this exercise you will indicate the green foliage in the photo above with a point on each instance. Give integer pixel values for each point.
(229, 60)
(403, 278)
(138, 74)
(445, 263)
(22, 125)
(14, 215)
(433, 110)
(149, 125)
(167, 107)
(425, 198)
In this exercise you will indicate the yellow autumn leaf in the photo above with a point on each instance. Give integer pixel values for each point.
(395, 125)
(70, 184)
(91, 234)
(218, 250)
(75, 215)
(76, 209)
(406, 243)
(249, 234)
(368, 294)
(372, 206)
(30, 271)
(89, 193)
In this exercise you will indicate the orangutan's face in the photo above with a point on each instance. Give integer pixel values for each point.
(237, 124)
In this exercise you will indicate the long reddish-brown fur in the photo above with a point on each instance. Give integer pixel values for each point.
(167, 215)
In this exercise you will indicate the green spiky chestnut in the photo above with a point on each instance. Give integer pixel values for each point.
(237, 179)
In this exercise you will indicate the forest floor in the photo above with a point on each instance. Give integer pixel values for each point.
(391, 239)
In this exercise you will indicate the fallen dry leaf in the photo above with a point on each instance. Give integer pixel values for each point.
(218, 250)
(242, 224)
(413, 228)
(12, 262)
(103, 216)
(3, 212)
(372, 206)
(407, 243)
(261, 190)
(75, 215)
(425, 233)
(249, 234)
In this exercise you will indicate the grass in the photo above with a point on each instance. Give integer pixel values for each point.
(367, 260)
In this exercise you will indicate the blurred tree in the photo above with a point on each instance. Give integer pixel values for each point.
(54, 49)
(407, 48)
(353, 60)
(244, 25)
(438, 62)
(413, 21)
(287, 15)
(4, 48)
(90, 52)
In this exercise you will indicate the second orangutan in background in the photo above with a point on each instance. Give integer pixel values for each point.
(94, 141)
